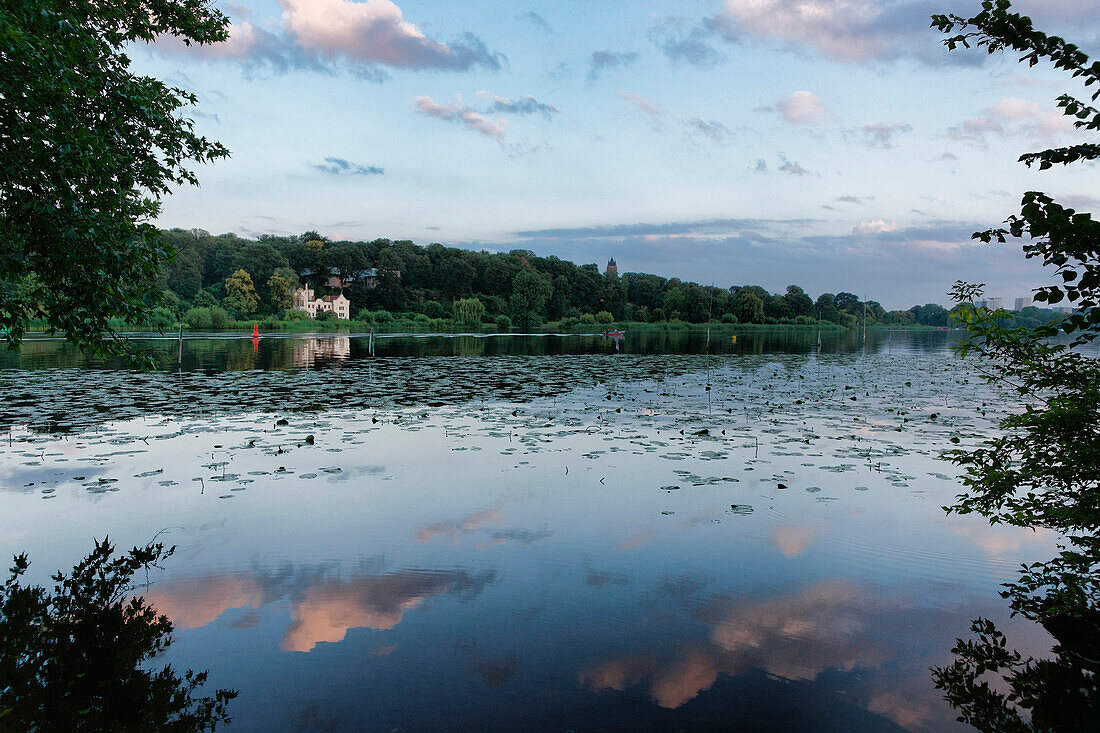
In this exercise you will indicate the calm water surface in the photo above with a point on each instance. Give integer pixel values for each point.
(531, 533)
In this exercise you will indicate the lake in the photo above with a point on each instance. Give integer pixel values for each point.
(532, 533)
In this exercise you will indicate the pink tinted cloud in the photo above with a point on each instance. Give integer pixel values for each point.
(802, 108)
(374, 32)
(461, 114)
(362, 35)
(844, 30)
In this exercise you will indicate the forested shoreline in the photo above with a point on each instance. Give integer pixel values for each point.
(213, 281)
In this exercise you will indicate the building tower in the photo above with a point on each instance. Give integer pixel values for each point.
(612, 268)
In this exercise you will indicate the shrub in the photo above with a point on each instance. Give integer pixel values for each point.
(383, 317)
(198, 318)
(160, 319)
(433, 309)
(604, 317)
(295, 315)
(504, 323)
(567, 323)
(327, 317)
(588, 318)
(219, 318)
(729, 318)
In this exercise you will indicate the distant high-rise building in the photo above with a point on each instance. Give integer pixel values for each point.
(612, 268)
(1022, 303)
(990, 303)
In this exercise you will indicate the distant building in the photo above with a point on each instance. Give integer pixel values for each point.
(1022, 303)
(612, 268)
(990, 303)
(303, 299)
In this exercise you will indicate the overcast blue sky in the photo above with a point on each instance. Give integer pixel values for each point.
(830, 143)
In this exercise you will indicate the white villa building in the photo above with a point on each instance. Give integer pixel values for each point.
(304, 300)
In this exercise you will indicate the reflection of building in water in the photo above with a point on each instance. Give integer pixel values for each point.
(308, 351)
(304, 300)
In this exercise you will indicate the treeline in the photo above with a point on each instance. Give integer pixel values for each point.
(215, 279)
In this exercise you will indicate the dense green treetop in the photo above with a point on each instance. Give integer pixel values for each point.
(432, 279)
(87, 149)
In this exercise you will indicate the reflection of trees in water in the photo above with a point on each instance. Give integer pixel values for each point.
(1055, 694)
(236, 352)
(76, 658)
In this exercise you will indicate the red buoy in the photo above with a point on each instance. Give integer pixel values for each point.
(255, 330)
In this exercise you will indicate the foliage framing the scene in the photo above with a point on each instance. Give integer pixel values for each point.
(77, 658)
(87, 150)
(1043, 470)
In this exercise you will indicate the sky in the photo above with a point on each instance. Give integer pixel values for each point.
(833, 144)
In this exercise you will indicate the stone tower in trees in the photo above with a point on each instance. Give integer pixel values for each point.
(612, 268)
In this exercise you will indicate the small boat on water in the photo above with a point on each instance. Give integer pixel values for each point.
(614, 334)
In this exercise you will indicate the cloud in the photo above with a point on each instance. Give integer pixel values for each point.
(654, 111)
(875, 226)
(327, 610)
(881, 134)
(1078, 201)
(857, 200)
(793, 168)
(1012, 108)
(603, 60)
(636, 540)
(1014, 116)
(339, 166)
(703, 226)
(323, 606)
(682, 43)
(975, 129)
(526, 105)
(848, 31)
(802, 108)
(535, 19)
(712, 129)
(375, 32)
(791, 540)
(325, 34)
(804, 638)
(456, 530)
(459, 113)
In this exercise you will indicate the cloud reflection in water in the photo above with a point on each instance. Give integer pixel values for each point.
(323, 606)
